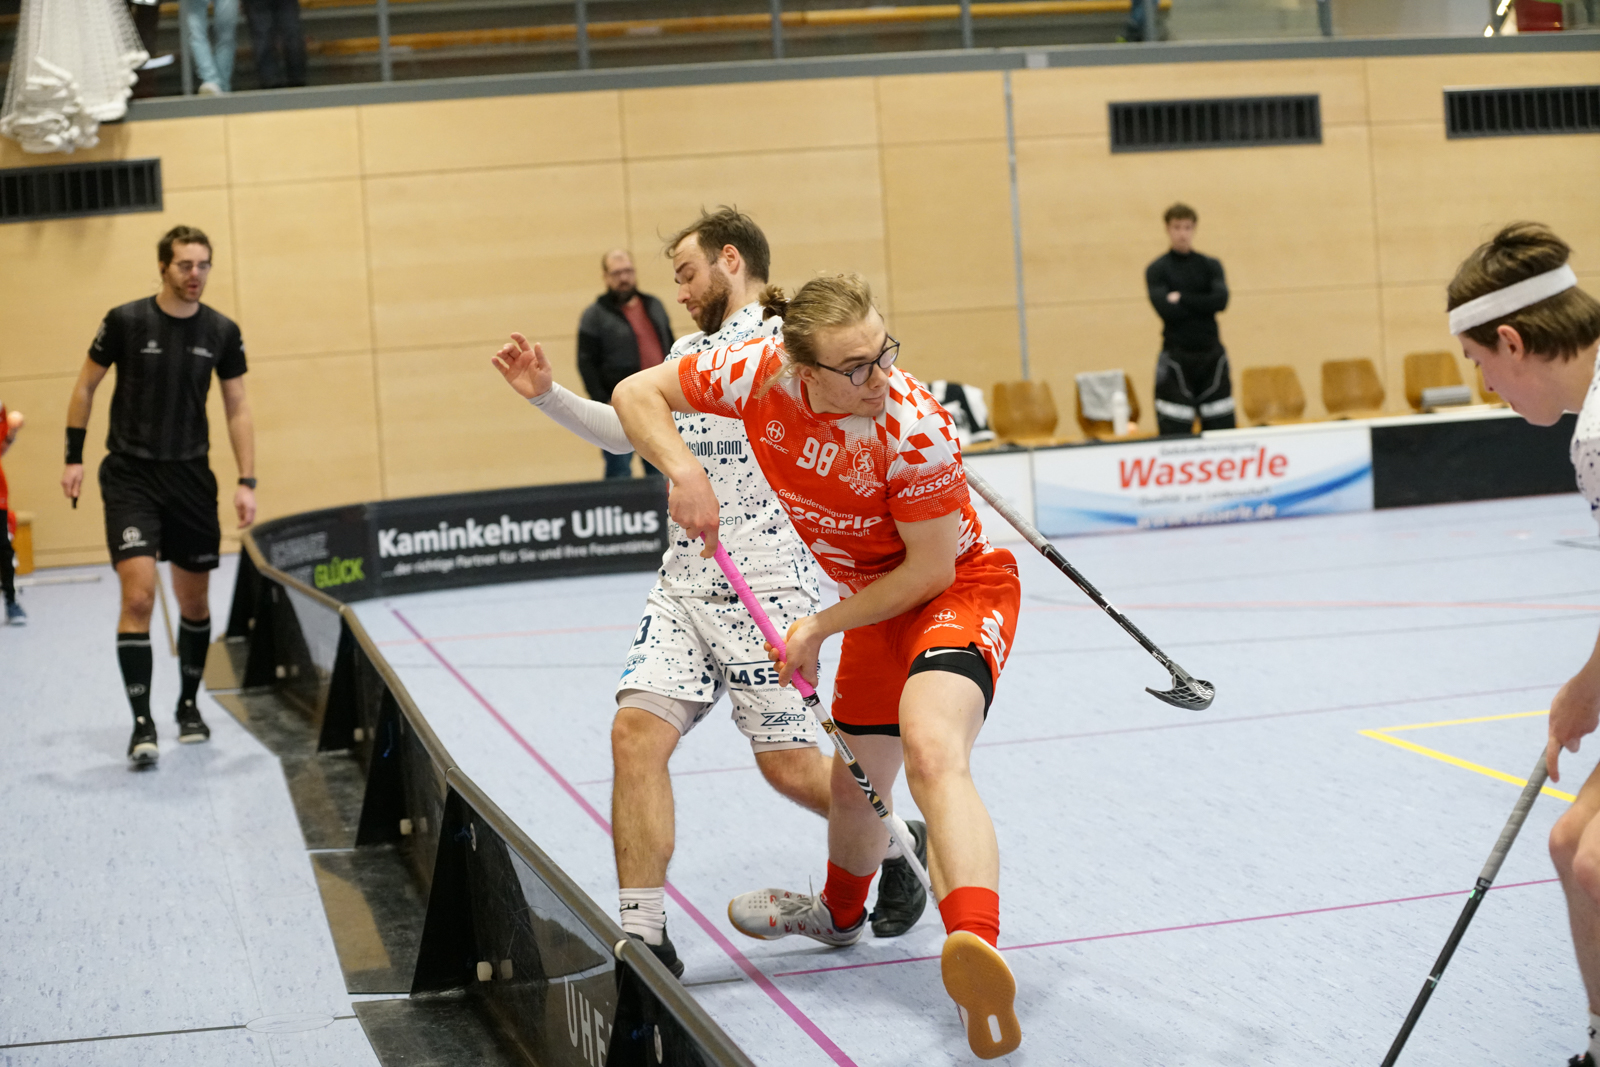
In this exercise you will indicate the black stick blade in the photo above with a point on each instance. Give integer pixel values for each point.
(1193, 694)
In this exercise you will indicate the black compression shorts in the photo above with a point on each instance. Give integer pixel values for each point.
(166, 509)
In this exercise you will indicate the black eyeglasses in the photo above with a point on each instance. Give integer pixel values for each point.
(859, 375)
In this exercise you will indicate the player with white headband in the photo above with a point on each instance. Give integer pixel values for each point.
(1516, 307)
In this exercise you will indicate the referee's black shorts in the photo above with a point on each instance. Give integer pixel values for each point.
(166, 509)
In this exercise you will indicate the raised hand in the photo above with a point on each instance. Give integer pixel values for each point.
(524, 367)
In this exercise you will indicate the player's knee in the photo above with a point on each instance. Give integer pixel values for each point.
(637, 736)
(1564, 838)
(932, 759)
(794, 772)
(138, 602)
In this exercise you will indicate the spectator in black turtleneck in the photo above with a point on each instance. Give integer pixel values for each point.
(1187, 290)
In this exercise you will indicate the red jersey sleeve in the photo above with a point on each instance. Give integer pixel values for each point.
(722, 381)
(926, 479)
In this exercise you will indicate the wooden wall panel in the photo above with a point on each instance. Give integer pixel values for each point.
(506, 131)
(822, 210)
(472, 256)
(451, 424)
(1064, 341)
(302, 275)
(316, 435)
(1290, 217)
(947, 218)
(977, 346)
(63, 277)
(1071, 101)
(774, 116)
(1304, 329)
(933, 108)
(193, 152)
(1409, 88)
(1437, 199)
(284, 146)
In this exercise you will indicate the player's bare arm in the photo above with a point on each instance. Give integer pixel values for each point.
(645, 403)
(242, 433)
(1574, 713)
(928, 570)
(78, 408)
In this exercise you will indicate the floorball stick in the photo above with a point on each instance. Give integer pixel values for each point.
(809, 695)
(1187, 691)
(1519, 814)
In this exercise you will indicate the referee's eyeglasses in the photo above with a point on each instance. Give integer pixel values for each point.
(859, 374)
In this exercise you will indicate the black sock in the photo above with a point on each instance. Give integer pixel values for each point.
(8, 576)
(194, 637)
(133, 655)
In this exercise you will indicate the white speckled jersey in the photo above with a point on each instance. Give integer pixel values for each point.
(1586, 446)
(755, 528)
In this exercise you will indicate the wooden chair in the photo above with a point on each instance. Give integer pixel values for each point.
(1271, 395)
(1104, 429)
(1351, 389)
(1024, 413)
(1428, 370)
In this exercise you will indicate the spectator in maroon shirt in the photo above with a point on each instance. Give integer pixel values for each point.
(622, 332)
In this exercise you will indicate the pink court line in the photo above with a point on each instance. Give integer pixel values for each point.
(1172, 929)
(1269, 604)
(1260, 718)
(811, 1029)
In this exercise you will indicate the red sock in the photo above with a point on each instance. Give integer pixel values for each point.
(973, 909)
(846, 895)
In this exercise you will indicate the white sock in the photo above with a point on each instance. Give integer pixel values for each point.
(895, 851)
(644, 912)
(1594, 1036)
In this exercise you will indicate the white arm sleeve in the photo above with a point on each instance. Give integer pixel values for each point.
(591, 420)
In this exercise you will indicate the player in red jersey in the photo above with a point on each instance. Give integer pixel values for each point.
(867, 465)
(10, 425)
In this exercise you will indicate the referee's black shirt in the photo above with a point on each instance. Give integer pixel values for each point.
(164, 370)
(1190, 325)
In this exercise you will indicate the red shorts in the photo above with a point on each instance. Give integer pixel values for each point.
(980, 608)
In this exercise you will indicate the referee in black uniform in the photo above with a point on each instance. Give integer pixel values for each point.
(159, 493)
(1187, 290)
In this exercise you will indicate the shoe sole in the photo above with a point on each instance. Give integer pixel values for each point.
(977, 979)
(193, 739)
(779, 937)
(144, 754)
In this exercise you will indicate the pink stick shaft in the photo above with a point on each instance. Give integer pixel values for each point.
(753, 606)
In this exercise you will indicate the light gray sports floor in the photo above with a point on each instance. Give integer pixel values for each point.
(158, 917)
(1257, 884)
(1260, 883)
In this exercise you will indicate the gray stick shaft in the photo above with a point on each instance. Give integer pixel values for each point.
(1519, 815)
(1007, 509)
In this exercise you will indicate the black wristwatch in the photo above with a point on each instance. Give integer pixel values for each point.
(248, 482)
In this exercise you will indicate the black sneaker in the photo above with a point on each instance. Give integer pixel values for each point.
(1585, 1060)
(142, 748)
(901, 898)
(15, 616)
(192, 729)
(665, 953)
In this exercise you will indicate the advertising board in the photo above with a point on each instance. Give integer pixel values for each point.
(1231, 476)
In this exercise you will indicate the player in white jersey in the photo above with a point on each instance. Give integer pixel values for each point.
(1519, 314)
(695, 641)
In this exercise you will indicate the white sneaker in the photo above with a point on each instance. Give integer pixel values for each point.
(768, 914)
(209, 89)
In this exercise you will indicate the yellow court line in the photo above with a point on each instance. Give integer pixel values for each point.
(1463, 722)
(1454, 761)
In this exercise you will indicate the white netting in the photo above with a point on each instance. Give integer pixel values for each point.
(74, 66)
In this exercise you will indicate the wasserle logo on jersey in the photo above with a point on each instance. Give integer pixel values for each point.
(944, 481)
(832, 520)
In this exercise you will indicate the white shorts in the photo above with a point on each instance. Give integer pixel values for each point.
(689, 651)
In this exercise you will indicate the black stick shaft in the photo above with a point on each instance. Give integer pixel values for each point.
(1486, 877)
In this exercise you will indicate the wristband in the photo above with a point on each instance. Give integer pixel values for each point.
(248, 483)
(75, 438)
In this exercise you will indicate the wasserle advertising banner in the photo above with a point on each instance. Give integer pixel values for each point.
(1232, 476)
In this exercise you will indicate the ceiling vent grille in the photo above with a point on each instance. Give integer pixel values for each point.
(1520, 112)
(1233, 122)
(30, 194)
